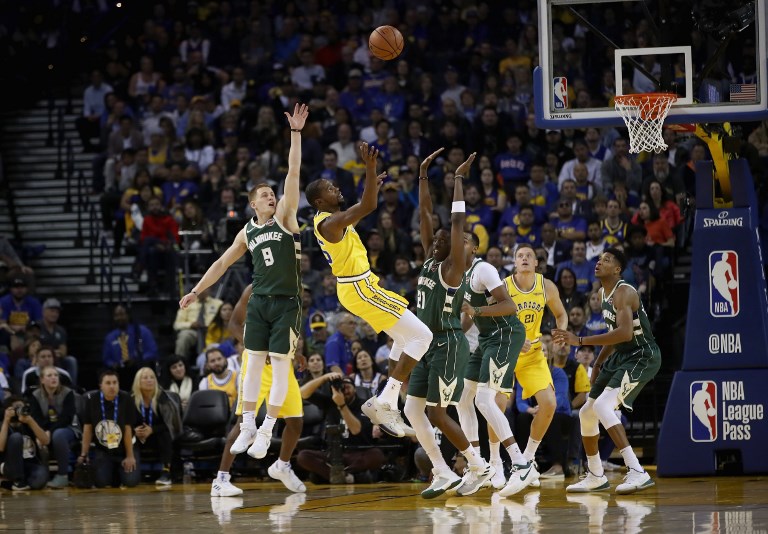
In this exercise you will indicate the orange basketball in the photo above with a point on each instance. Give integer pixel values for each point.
(386, 42)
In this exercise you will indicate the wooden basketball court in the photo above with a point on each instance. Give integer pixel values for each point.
(696, 505)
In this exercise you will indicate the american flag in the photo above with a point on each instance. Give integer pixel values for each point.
(743, 92)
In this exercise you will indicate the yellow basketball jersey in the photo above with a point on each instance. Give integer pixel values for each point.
(229, 386)
(530, 308)
(348, 257)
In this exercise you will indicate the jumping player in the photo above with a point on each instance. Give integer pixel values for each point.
(629, 359)
(358, 288)
(292, 411)
(274, 309)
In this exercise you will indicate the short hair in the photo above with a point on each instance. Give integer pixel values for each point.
(331, 152)
(525, 245)
(473, 236)
(212, 350)
(108, 372)
(255, 189)
(527, 207)
(619, 255)
(314, 191)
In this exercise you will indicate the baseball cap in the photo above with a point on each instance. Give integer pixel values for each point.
(552, 131)
(33, 324)
(355, 73)
(317, 321)
(390, 186)
(18, 282)
(52, 303)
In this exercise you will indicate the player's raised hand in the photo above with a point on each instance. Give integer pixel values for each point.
(186, 300)
(299, 117)
(368, 153)
(380, 179)
(428, 161)
(463, 169)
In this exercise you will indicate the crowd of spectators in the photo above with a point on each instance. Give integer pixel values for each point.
(183, 114)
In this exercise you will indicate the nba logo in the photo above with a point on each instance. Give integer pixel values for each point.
(724, 283)
(703, 411)
(560, 92)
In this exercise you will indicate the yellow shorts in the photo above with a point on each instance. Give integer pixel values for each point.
(362, 296)
(293, 405)
(532, 372)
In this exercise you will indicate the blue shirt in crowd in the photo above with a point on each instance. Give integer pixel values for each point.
(139, 341)
(560, 380)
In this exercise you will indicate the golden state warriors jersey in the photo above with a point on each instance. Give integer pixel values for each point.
(228, 386)
(530, 308)
(348, 257)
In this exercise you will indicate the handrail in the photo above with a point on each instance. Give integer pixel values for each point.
(49, 139)
(90, 278)
(70, 171)
(83, 202)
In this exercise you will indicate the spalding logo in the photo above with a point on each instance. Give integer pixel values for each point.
(723, 220)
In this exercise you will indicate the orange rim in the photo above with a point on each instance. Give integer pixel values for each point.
(647, 102)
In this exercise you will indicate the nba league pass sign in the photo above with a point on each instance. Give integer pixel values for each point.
(729, 416)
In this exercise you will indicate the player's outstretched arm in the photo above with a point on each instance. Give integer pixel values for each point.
(217, 270)
(458, 217)
(425, 202)
(333, 227)
(625, 300)
(237, 320)
(289, 204)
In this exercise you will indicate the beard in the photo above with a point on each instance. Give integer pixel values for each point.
(661, 175)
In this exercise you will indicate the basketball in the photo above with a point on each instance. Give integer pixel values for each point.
(711, 412)
(386, 42)
(732, 284)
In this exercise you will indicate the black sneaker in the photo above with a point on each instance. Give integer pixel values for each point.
(20, 486)
(164, 480)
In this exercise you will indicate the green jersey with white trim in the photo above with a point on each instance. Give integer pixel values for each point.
(276, 255)
(437, 304)
(641, 326)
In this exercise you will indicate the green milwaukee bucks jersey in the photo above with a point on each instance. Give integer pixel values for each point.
(486, 325)
(437, 304)
(641, 326)
(276, 254)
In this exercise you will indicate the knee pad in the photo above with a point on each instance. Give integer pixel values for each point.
(281, 367)
(590, 424)
(605, 406)
(396, 350)
(466, 411)
(414, 408)
(486, 403)
(251, 382)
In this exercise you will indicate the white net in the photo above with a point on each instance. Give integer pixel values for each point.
(644, 116)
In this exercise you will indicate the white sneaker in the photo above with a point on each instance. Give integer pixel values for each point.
(589, 482)
(280, 516)
(287, 477)
(224, 488)
(520, 513)
(535, 484)
(380, 413)
(475, 477)
(260, 445)
(521, 477)
(244, 440)
(442, 482)
(498, 480)
(222, 508)
(635, 512)
(634, 481)
(554, 473)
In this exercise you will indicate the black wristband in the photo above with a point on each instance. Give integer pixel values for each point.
(295, 130)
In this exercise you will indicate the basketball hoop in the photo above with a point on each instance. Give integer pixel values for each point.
(644, 116)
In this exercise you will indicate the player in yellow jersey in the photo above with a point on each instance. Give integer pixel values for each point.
(531, 292)
(292, 411)
(359, 291)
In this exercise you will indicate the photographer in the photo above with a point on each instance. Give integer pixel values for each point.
(343, 408)
(20, 441)
(53, 407)
(109, 417)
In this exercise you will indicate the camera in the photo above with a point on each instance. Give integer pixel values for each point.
(21, 411)
(337, 384)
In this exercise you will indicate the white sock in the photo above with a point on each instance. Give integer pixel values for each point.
(249, 419)
(472, 457)
(515, 455)
(595, 465)
(477, 449)
(268, 424)
(223, 476)
(283, 465)
(630, 459)
(495, 452)
(390, 392)
(530, 449)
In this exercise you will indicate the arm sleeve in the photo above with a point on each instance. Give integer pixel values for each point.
(485, 278)
(581, 380)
